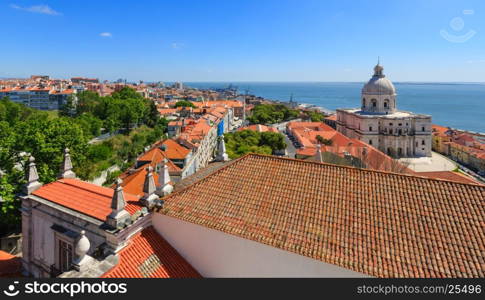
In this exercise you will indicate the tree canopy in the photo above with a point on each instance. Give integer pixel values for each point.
(184, 103)
(249, 141)
(271, 113)
(25, 131)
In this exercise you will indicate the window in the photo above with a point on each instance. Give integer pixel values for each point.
(390, 124)
(422, 128)
(400, 131)
(65, 255)
(370, 142)
(386, 103)
(390, 131)
(370, 128)
(422, 142)
(400, 124)
(363, 102)
(374, 103)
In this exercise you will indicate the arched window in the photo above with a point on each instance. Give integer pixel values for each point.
(370, 128)
(370, 142)
(363, 102)
(386, 103)
(422, 142)
(400, 131)
(374, 102)
(422, 128)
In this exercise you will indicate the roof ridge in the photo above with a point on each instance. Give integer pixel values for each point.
(354, 168)
(91, 191)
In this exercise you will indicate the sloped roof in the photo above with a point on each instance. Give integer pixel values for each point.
(10, 265)
(174, 150)
(449, 175)
(378, 223)
(85, 197)
(150, 256)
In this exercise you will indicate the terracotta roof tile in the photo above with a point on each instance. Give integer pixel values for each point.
(174, 150)
(10, 265)
(378, 223)
(449, 175)
(84, 197)
(150, 256)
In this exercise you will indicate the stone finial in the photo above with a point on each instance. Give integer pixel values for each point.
(149, 189)
(164, 186)
(82, 246)
(221, 150)
(32, 178)
(119, 215)
(66, 168)
(81, 261)
(319, 153)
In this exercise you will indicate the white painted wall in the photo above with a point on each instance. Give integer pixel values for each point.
(217, 254)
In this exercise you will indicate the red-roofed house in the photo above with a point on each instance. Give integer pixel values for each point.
(73, 228)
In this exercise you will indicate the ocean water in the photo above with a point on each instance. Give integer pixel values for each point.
(458, 105)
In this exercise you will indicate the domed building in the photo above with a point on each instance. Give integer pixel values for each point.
(380, 124)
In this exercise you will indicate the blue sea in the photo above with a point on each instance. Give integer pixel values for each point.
(457, 105)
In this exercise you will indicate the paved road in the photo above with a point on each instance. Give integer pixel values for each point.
(290, 149)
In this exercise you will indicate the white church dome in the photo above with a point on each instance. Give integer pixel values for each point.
(379, 84)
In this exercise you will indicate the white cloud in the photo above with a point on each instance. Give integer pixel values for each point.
(177, 45)
(38, 9)
(106, 34)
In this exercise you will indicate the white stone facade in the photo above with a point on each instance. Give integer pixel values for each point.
(380, 124)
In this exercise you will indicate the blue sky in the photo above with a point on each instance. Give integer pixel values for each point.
(263, 40)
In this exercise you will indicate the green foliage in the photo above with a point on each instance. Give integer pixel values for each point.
(248, 141)
(323, 140)
(184, 103)
(124, 109)
(111, 177)
(271, 113)
(45, 134)
(90, 124)
(9, 209)
(315, 116)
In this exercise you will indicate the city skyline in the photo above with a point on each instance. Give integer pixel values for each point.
(268, 42)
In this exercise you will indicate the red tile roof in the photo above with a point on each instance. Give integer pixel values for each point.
(174, 150)
(10, 265)
(449, 175)
(378, 223)
(85, 197)
(258, 128)
(149, 256)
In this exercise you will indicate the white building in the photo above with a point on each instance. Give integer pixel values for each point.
(379, 123)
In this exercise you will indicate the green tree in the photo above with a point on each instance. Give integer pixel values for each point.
(323, 140)
(184, 103)
(248, 141)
